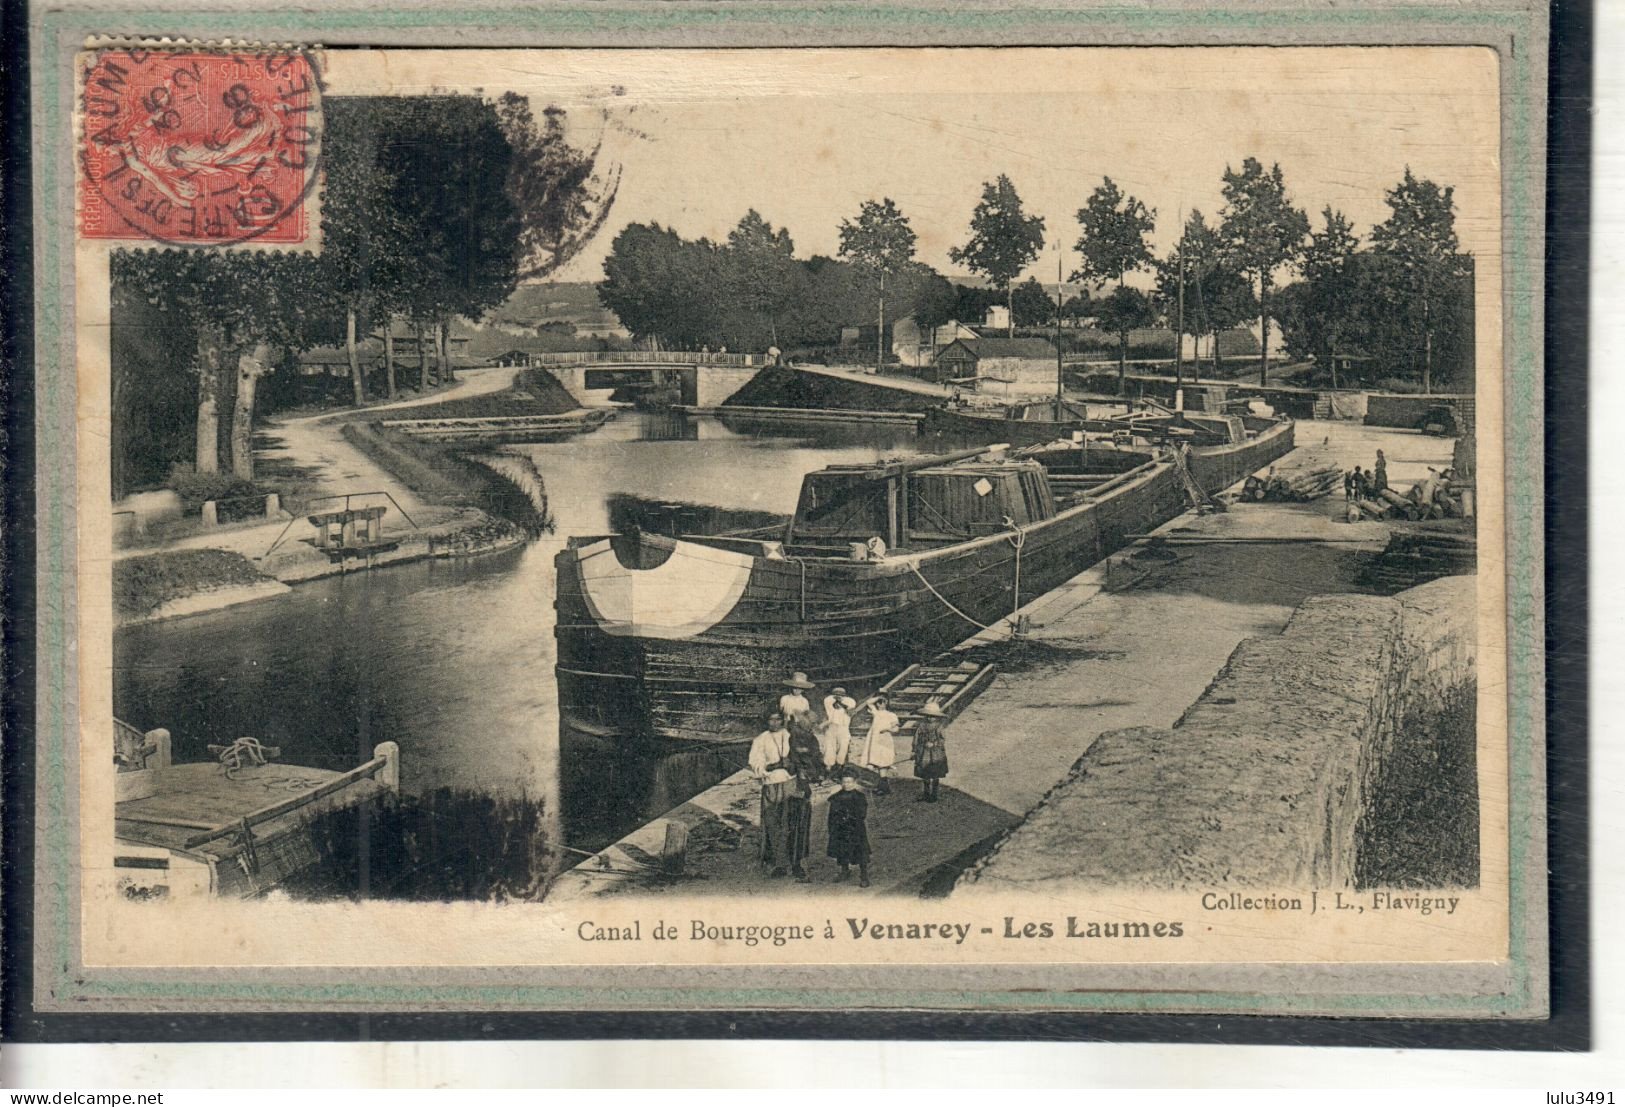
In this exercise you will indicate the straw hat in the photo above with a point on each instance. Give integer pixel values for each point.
(838, 692)
(933, 709)
(799, 680)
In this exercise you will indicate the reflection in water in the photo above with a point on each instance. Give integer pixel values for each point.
(454, 660)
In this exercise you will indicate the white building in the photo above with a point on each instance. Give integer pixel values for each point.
(916, 346)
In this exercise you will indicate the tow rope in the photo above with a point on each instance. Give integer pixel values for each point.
(1016, 538)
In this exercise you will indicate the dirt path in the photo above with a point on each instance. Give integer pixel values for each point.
(316, 444)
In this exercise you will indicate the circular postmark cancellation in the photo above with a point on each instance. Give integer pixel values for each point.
(200, 148)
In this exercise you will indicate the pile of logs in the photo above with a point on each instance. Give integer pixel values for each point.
(1439, 496)
(1420, 553)
(1297, 486)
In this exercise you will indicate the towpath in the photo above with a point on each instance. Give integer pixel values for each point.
(1132, 641)
(316, 446)
(316, 443)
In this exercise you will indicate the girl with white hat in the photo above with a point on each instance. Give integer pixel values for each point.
(793, 702)
(880, 746)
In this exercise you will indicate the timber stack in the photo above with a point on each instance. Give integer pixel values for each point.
(1300, 486)
(1438, 496)
(1420, 553)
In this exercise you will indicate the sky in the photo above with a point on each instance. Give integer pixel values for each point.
(805, 136)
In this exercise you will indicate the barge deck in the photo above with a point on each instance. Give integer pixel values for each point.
(230, 827)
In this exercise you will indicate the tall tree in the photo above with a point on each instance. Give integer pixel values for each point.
(229, 303)
(1262, 232)
(1180, 276)
(364, 237)
(760, 264)
(441, 155)
(1229, 302)
(933, 297)
(1331, 300)
(1418, 241)
(412, 227)
(1077, 307)
(1113, 244)
(1217, 297)
(1003, 241)
(662, 287)
(879, 242)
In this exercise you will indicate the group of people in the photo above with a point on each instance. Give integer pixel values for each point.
(1362, 484)
(801, 749)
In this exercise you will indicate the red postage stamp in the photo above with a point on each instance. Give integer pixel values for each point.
(201, 148)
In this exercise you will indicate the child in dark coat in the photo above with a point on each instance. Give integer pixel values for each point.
(849, 828)
(930, 752)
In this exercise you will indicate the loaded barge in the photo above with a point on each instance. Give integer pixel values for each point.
(882, 565)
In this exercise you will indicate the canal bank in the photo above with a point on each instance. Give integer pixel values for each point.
(1129, 643)
(426, 498)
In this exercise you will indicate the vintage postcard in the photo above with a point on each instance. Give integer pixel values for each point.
(592, 516)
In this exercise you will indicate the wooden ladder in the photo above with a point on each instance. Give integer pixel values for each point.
(952, 686)
(1199, 499)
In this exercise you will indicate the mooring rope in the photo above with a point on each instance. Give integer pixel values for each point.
(802, 565)
(242, 753)
(945, 601)
(1018, 539)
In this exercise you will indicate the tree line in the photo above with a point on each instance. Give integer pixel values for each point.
(433, 206)
(1402, 296)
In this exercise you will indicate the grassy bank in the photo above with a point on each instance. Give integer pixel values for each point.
(778, 387)
(434, 474)
(141, 585)
(444, 476)
(1421, 829)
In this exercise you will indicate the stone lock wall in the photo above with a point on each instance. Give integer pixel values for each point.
(1385, 409)
(1264, 780)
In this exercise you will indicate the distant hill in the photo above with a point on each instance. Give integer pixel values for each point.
(973, 280)
(574, 302)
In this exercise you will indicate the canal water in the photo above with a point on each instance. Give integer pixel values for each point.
(454, 660)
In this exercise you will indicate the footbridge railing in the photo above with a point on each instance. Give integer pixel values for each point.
(641, 358)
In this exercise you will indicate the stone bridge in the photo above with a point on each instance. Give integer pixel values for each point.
(701, 380)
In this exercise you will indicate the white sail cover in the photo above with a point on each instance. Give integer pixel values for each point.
(688, 593)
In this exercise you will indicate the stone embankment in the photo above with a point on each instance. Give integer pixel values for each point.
(1266, 779)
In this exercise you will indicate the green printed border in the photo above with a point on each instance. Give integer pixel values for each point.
(62, 983)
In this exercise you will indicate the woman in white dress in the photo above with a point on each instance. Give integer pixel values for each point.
(880, 746)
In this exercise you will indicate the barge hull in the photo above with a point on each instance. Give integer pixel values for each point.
(849, 623)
